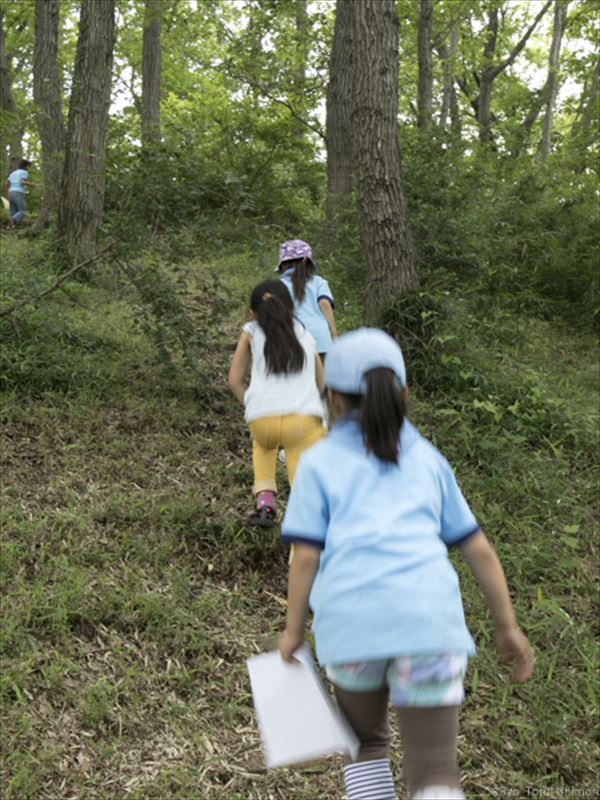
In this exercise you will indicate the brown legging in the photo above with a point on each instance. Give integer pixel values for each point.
(429, 736)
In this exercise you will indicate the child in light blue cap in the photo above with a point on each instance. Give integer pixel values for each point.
(372, 513)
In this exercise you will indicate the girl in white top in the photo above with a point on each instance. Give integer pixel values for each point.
(283, 406)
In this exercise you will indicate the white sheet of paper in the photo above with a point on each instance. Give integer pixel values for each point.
(296, 718)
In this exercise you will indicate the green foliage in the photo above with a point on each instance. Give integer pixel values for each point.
(529, 231)
(59, 343)
(164, 318)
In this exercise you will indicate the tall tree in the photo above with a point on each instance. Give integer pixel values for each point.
(449, 107)
(47, 97)
(82, 197)
(338, 115)
(382, 211)
(12, 134)
(151, 69)
(425, 82)
(560, 18)
(299, 76)
(485, 80)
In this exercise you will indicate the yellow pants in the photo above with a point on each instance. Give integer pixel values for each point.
(293, 432)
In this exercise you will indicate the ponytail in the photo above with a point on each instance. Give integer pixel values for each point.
(303, 269)
(382, 410)
(274, 310)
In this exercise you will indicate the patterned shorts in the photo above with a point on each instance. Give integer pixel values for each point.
(421, 681)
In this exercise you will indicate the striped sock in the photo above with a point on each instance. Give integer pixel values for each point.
(369, 780)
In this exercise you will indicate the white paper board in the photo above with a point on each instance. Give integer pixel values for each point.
(296, 718)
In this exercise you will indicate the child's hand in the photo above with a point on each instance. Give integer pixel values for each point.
(288, 644)
(513, 646)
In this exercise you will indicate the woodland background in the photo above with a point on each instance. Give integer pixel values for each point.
(441, 156)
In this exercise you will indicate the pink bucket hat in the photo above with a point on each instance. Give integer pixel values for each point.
(293, 249)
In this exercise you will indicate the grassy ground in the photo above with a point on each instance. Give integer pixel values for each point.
(132, 590)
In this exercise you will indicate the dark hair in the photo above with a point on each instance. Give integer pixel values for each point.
(382, 411)
(24, 163)
(274, 309)
(303, 269)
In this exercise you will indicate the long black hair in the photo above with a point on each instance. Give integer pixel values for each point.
(274, 309)
(382, 410)
(303, 270)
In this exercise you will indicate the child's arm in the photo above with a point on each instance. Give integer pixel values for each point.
(319, 374)
(510, 641)
(327, 310)
(239, 367)
(302, 573)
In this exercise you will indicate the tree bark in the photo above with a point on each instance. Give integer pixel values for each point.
(382, 211)
(300, 70)
(47, 97)
(425, 82)
(151, 71)
(338, 114)
(81, 203)
(449, 106)
(12, 133)
(560, 17)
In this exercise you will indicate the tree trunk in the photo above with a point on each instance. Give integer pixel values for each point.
(560, 17)
(338, 115)
(12, 133)
(383, 215)
(47, 97)
(300, 67)
(151, 64)
(489, 73)
(424, 92)
(82, 197)
(449, 106)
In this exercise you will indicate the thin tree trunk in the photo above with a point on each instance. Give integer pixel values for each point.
(449, 107)
(588, 105)
(81, 203)
(489, 73)
(12, 133)
(300, 70)
(151, 70)
(338, 115)
(425, 83)
(383, 215)
(47, 97)
(560, 17)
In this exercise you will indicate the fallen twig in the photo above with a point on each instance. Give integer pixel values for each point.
(61, 279)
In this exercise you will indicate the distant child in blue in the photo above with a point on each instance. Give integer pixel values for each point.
(16, 183)
(372, 512)
(313, 300)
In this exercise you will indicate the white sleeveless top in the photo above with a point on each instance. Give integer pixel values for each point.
(272, 395)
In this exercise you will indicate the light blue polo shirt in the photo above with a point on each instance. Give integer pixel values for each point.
(308, 311)
(385, 585)
(15, 180)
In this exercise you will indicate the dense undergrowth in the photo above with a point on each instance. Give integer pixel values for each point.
(133, 591)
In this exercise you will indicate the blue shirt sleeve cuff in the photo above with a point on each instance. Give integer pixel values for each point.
(292, 538)
(326, 297)
(463, 539)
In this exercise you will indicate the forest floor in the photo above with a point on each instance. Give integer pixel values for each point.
(133, 591)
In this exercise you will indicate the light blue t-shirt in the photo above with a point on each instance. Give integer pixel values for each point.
(308, 311)
(385, 585)
(15, 180)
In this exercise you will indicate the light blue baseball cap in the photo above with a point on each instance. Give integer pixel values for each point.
(358, 352)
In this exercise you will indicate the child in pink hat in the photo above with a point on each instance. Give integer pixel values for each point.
(313, 300)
